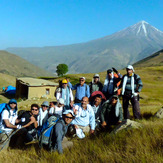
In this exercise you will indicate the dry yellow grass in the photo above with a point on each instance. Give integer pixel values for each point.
(144, 145)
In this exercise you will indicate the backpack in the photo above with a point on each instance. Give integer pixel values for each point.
(2, 106)
(46, 131)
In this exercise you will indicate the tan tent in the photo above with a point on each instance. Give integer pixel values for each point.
(31, 87)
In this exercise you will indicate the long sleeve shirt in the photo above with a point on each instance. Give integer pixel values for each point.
(81, 91)
(108, 113)
(59, 95)
(84, 117)
(138, 85)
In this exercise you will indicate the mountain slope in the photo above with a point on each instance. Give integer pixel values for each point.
(154, 60)
(119, 49)
(16, 66)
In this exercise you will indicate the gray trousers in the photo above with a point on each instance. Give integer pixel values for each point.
(135, 106)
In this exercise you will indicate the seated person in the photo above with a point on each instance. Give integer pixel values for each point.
(43, 113)
(59, 141)
(97, 106)
(9, 116)
(57, 110)
(111, 113)
(28, 121)
(85, 117)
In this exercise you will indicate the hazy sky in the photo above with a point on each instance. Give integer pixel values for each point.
(28, 23)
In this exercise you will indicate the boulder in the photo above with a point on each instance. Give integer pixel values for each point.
(127, 124)
(159, 114)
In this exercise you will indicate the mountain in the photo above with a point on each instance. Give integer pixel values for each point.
(155, 59)
(16, 66)
(119, 49)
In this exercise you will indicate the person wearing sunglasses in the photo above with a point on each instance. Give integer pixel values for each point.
(85, 117)
(28, 122)
(43, 113)
(82, 90)
(59, 141)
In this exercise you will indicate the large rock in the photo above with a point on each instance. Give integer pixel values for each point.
(159, 114)
(127, 124)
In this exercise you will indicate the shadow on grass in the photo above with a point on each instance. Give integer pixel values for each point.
(147, 116)
(8, 96)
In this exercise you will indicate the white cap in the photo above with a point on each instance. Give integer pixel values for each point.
(96, 75)
(61, 101)
(82, 78)
(130, 67)
(68, 111)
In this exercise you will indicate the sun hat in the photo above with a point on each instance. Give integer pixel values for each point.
(130, 67)
(64, 81)
(45, 103)
(96, 76)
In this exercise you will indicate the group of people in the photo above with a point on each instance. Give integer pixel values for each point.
(95, 106)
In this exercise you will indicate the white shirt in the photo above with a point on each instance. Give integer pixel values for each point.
(57, 110)
(12, 119)
(42, 115)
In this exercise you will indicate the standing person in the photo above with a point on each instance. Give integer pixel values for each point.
(9, 116)
(110, 84)
(111, 113)
(84, 116)
(59, 141)
(131, 87)
(95, 85)
(82, 90)
(43, 113)
(65, 93)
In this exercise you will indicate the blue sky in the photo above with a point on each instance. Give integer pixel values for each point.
(31, 23)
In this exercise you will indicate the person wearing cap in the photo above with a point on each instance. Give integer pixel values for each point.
(9, 117)
(95, 85)
(57, 110)
(111, 113)
(65, 93)
(131, 87)
(43, 113)
(84, 116)
(82, 90)
(59, 141)
(110, 83)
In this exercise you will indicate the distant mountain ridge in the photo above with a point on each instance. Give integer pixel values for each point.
(155, 59)
(119, 49)
(16, 66)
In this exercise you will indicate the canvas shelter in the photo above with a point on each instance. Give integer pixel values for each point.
(31, 87)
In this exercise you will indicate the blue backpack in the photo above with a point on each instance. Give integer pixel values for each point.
(2, 106)
(46, 131)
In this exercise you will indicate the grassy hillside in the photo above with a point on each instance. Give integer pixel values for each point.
(16, 66)
(144, 145)
(154, 60)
